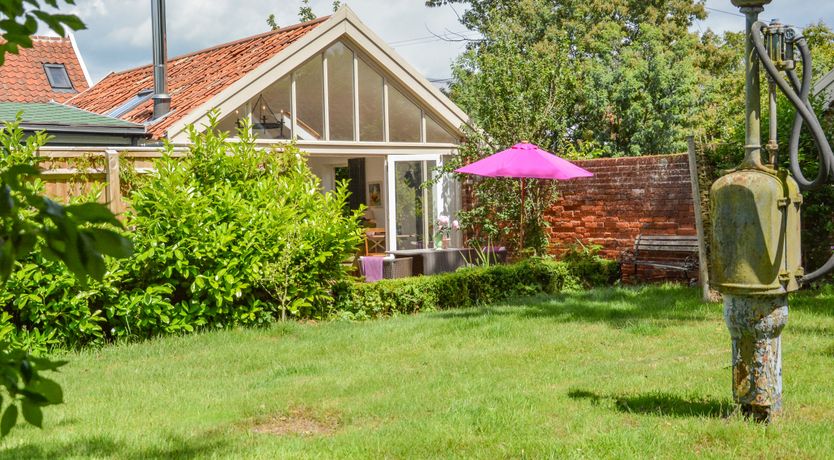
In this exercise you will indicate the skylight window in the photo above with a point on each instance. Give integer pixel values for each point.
(131, 104)
(57, 76)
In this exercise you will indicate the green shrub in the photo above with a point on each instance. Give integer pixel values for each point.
(229, 235)
(233, 234)
(470, 287)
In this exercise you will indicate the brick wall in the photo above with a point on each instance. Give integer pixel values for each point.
(626, 196)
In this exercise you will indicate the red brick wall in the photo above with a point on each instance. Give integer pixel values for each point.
(626, 196)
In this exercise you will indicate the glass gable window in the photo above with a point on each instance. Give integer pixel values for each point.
(359, 97)
(309, 96)
(272, 111)
(340, 92)
(230, 123)
(371, 104)
(436, 133)
(404, 117)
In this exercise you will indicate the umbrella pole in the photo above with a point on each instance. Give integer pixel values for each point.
(521, 230)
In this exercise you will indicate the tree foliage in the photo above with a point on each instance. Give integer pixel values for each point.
(525, 91)
(79, 236)
(579, 78)
(272, 22)
(305, 11)
(19, 20)
(626, 67)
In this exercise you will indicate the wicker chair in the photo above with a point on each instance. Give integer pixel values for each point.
(393, 268)
(397, 268)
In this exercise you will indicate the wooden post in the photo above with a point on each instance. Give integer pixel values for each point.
(703, 267)
(114, 187)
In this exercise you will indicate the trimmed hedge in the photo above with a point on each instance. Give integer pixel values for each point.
(470, 287)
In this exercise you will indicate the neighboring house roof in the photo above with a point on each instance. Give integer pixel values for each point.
(226, 76)
(825, 85)
(193, 78)
(55, 117)
(23, 76)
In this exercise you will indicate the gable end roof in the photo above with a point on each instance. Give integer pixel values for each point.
(22, 76)
(193, 78)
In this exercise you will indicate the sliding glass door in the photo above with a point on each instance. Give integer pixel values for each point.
(412, 203)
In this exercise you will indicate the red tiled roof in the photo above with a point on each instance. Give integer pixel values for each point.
(193, 78)
(23, 79)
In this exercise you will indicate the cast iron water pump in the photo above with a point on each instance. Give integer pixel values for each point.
(755, 209)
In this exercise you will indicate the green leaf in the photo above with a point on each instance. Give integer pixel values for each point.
(94, 213)
(9, 420)
(26, 370)
(44, 364)
(110, 243)
(6, 201)
(32, 413)
(49, 389)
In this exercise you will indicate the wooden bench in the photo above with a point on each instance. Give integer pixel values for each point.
(647, 249)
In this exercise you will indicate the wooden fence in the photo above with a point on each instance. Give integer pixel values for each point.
(75, 171)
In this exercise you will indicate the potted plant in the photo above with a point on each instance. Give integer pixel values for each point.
(444, 231)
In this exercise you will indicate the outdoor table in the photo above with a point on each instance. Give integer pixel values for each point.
(434, 261)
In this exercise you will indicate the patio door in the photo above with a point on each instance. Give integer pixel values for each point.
(412, 206)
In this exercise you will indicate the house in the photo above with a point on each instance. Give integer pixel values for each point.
(51, 70)
(70, 126)
(35, 82)
(334, 87)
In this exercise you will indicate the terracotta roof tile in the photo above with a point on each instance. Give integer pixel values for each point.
(23, 79)
(193, 78)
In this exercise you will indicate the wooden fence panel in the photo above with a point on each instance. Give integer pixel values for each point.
(70, 172)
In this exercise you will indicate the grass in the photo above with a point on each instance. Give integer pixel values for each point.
(608, 373)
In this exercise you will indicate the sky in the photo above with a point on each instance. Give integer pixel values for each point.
(119, 31)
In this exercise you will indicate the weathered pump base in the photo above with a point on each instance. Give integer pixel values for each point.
(755, 324)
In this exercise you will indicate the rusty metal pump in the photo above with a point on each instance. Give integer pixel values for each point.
(755, 243)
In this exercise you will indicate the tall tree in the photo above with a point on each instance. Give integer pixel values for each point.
(633, 90)
(525, 89)
(272, 22)
(305, 12)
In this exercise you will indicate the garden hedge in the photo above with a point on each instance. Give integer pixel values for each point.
(470, 287)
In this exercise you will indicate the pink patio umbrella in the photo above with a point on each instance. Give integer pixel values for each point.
(523, 161)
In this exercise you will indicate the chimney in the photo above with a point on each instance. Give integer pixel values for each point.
(161, 99)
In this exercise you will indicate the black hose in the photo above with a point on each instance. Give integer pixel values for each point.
(804, 114)
(804, 89)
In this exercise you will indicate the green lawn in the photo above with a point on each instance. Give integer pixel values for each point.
(608, 373)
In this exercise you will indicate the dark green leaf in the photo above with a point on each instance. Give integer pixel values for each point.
(26, 370)
(32, 413)
(6, 201)
(110, 243)
(34, 397)
(44, 364)
(94, 213)
(9, 420)
(49, 389)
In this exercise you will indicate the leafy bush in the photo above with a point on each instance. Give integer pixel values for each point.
(470, 287)
(233, 234)
(230, 234)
